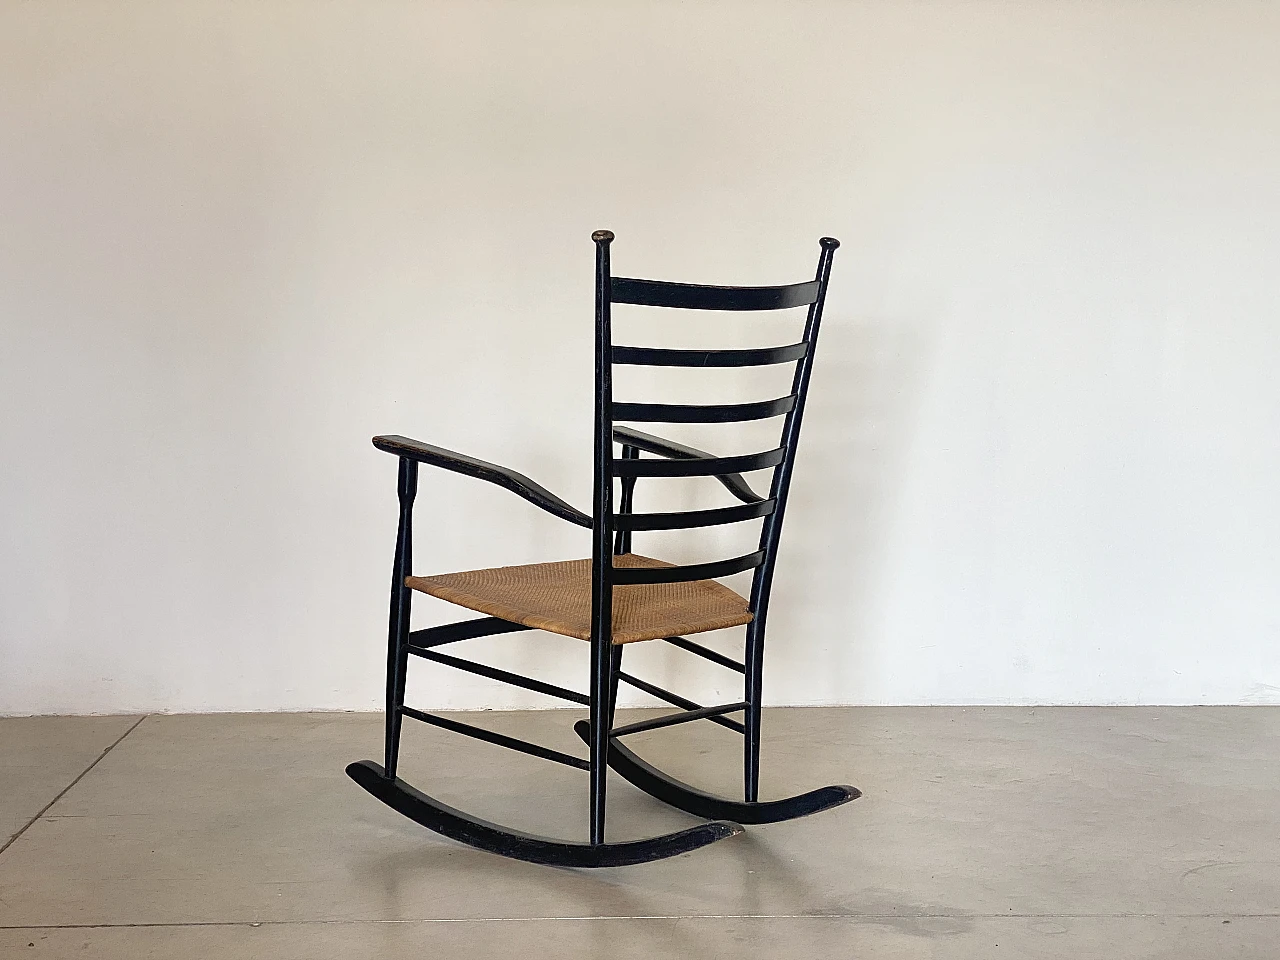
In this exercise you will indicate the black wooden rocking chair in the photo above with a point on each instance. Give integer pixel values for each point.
(618, 597)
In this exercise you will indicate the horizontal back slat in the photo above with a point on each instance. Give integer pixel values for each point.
(693, 296)
(702, 467)
(702, 412)
(687, 519)
(688, 572)
(733, 482)
(660, 357)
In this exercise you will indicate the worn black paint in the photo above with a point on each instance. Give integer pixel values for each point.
(684, 716)
(647, 442)
(695, 296)
(701, 467)
(502, 676)
(689, 571)
(465, 630)
(612, 534)
(772, 530)
(663, 357)
(686, 644)
(684, 703)
(444, 819)
(419, 452)
(703, 412)
(668, 789)
(686, 519)
(500, 739)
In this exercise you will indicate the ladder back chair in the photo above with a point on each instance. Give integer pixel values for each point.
(617, 597)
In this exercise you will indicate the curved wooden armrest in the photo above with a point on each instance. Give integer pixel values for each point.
(481, 469)
(733, 482)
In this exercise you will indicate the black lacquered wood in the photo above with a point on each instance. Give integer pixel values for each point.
(684, 643)
(752, 357)
(647, 442)
(612, 535)
(455, 462)
(688, 519)
(706, 467)
(504, 676)
(703, 412)
(675, 699)
(622, 531)
(464, 630)
(602, 655)
(518, 845)
(771, 531)
(685, 716)
(669, 790)
(685, 573)
(696, 296)
(400, 607)
(499, 739)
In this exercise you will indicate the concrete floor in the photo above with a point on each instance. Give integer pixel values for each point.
(1027, 833)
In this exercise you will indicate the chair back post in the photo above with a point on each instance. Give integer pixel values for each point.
(602, 541)
(771, 531)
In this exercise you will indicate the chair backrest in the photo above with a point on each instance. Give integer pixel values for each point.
(687, 462)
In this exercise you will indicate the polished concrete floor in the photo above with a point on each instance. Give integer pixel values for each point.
(1071, 832)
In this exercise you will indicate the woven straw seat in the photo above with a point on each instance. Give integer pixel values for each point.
(557, 597)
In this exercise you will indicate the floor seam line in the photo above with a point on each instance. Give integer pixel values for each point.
(63, 792)
(872, 917)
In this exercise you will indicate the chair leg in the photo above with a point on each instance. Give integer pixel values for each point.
(751, 716)
(398, 625)
(615, 668)
(397, 670)
(603, 691)
(751, 754)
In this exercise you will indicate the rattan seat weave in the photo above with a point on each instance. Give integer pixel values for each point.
(557, 597)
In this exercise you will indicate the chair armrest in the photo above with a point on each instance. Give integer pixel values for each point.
(733, 482)
(483, 470)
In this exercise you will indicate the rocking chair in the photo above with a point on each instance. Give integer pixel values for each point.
(617, 597)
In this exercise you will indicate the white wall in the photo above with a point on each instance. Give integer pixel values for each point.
(1042, 462)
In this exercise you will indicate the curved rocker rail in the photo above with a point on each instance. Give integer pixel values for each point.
(660, 786)
(456, 825)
